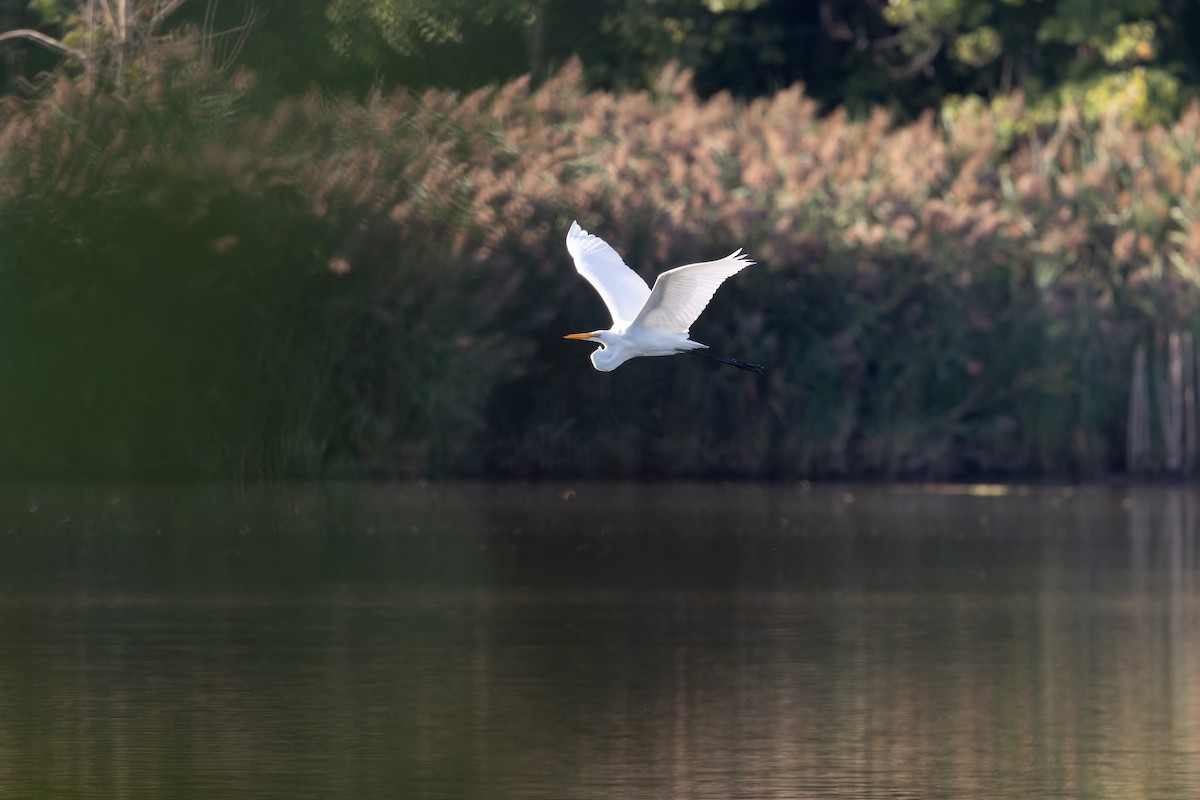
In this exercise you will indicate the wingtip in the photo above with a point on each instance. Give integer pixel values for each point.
(575, 232)
(578, 238)
(742, 257)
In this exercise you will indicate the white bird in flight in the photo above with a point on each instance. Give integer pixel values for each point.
(649, 322)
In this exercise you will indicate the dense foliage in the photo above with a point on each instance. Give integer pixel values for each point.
(190, 286)
(1134, 56)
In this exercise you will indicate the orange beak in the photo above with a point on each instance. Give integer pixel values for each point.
(580, 336)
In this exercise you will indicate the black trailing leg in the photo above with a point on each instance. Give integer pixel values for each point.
(734, 362)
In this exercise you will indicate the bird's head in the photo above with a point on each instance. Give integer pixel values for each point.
(609, 355)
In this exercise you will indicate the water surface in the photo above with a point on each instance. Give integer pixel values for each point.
(599, 640)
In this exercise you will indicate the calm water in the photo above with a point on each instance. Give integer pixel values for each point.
(599, 641)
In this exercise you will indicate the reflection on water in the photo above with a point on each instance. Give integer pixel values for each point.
(599, 640)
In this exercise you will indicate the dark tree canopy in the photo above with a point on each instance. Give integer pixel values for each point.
(905, 54)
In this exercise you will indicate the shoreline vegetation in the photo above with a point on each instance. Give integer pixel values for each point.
(194, 284)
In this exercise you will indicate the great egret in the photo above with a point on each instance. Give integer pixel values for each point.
(645, 322)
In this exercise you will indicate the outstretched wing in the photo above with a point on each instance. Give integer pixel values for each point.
(620, 287)
(680, 294)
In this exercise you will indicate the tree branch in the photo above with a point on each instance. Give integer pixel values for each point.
(167, 10)
(122, 21)
(835, 28)
(915, 65)
(108, 15)
(46, 41)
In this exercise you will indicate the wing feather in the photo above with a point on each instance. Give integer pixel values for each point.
(621, 289)
(681, 294)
